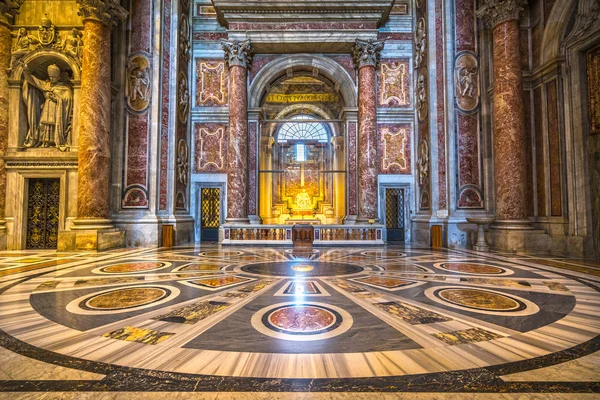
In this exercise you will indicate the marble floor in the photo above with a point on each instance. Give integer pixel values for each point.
(212, 322)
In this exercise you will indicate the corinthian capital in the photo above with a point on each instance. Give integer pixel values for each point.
(495, 12)
(109, 12)
(8, 10)
(367, 52)
(237, 53)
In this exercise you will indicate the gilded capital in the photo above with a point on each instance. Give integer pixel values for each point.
(237, 53)
(8, 10)
(367, 52)
(495, 12)
(109, 12)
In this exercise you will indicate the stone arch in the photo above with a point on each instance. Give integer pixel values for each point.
(556, 29)
(40, 59)
(303, 62)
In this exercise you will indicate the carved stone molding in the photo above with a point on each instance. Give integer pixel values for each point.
(183, 98)
(423, 163)
(466, 80)
(182, 162)
(420, 42)
(495, 12)
(367, 52)
(8, 10)
(109, 12)
(184, 38)
(237, 53)
(421, 89)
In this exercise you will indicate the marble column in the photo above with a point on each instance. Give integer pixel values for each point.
(509, 115)
(8, 9)
(93, 200)
(238, 56)
(366, 57)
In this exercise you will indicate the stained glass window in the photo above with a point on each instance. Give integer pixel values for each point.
(302, 130)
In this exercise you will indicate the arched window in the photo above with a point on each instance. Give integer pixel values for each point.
(302, 130)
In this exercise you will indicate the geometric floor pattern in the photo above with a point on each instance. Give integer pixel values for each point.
(276, 319)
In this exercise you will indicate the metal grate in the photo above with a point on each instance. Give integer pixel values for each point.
(394, 204)
(211, 207)
(42, 213)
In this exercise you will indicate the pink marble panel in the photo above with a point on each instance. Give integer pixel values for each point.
(210, 148)
(137, 151)
(468, 157)
(352, 176)
(258, 63)
(346, 62)
(212, 83)
(394, 83)
(441, 107)
(252, 172)
(141, 26)
(165, 101)
(465, 25)
(394, 148)
(400, 36)
(209, 36)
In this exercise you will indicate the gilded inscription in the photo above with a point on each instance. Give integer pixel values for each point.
(303, 98)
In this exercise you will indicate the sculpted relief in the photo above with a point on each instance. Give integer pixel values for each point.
(467, 82)
(47, 37)
(138, 83)
(49, 106)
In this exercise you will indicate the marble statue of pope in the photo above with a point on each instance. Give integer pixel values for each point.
(49, 125)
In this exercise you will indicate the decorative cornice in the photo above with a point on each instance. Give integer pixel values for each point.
(109, 12)
(367, 52)
(8, 10)
(495, 12)
(237, 53)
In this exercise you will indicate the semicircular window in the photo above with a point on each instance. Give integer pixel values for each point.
(302, 130)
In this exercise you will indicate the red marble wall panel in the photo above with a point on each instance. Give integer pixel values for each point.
(252, 172)
(529, 153)
(135, 171)
(536, 44)
(210, 148)
(593, 79)
(393, 81)
(441, 106)
(524, 49)
(164, 118)
(465, 25)
(346, 62)
(470, 188)
(554, 149)
(539, 151)
(352, 169)
(209, 36)
(394, 148)
(211, 83)
(422, 89)
(405, 36)
(258, 63)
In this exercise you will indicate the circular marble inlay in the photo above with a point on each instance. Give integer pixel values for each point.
(383, 254)
(125, 298)
(138, 266)
(481, 299)
(303, 319)
(291, 268)
(221, 253)
(472, 268)
(302, 268)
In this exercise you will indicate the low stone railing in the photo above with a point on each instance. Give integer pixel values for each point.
(282, 234)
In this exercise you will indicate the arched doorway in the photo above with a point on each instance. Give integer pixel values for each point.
(302, 168)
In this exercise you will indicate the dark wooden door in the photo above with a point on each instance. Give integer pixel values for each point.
(394, 214)
(42, 213)
(210, 215)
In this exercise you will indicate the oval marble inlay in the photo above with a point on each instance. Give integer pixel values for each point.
(480, 299)
(472, 268)
(302, 268)
(126, 298)
(302, 319)
(132, 267)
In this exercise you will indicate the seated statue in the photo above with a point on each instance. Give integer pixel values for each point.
(303, 200)
(50, 124)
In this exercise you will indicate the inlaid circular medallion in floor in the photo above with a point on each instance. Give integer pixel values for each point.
(132, 267)
(125, 298)
(481, 299)
(472, 268)
(302, 268)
